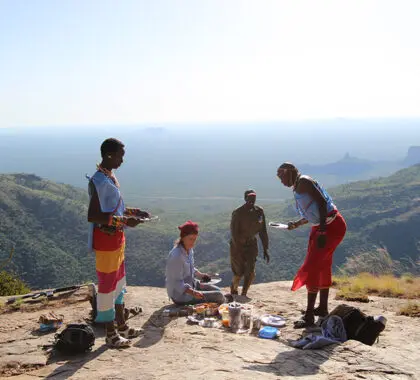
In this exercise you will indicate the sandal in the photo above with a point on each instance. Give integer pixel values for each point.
(130, 332)
(117, 341)
(317, 312)
(133, 311)
(304, 322)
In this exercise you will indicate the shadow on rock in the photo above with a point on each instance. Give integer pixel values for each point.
(154, 327)
(242, 299)
(73, 363)
(295, 362)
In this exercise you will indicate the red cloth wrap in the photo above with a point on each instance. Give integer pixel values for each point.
(316, 270)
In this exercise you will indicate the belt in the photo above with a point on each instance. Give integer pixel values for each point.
(330, 217)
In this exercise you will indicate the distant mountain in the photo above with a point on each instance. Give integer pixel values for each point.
(47, 223)
(413, 156)
(213, 159)
(351, 168)
(348, 166)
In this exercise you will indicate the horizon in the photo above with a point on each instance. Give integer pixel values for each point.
(220, 123)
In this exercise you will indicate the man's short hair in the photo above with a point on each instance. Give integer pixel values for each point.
(250, 191)
(288, 166)
(111, 145)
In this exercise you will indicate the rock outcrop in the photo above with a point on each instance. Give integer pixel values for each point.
(171, 348)
(413, 156)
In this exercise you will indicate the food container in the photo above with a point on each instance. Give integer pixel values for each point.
(225, 318)
(207, 309)
(268, 332)
(246, 320)
(224, 307)
(235, 311)
(209, 322)
(256, 322)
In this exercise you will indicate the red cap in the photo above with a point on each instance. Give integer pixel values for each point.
(188, 228)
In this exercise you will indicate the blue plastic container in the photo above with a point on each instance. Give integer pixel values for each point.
(268, 332)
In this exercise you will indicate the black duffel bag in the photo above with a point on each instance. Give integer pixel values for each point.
(358, 325)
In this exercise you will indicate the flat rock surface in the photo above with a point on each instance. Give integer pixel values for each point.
(170, 348)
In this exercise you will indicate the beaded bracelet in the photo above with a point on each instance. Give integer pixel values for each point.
(118, 221)
(130, 211)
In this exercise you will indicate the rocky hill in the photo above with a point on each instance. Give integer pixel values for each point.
(47, 223)
(170, 348)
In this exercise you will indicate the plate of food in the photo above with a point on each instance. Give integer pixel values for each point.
(213, 281)
(279, 226)
(207, 309)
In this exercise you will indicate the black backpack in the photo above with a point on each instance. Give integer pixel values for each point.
(74, 339)
(358, 325)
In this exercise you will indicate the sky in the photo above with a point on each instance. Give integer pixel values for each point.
(94, 62)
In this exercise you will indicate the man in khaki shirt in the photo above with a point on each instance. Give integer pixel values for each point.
(247, 221)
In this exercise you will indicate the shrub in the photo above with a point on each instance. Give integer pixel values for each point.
(410, 309)
(11, 285)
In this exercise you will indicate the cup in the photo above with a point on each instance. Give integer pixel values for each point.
(225, 318)
(235, 316)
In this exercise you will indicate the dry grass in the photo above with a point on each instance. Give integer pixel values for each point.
(347, 294)
(410, 309)
(365, 284)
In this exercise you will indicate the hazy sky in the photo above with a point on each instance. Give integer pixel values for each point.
(69, 62)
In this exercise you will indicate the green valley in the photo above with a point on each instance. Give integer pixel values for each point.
(46, 222)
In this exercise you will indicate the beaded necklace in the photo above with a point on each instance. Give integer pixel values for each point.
(109, 174)
(296, 182)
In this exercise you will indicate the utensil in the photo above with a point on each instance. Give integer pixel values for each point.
(213, 281)
(279, 226)
(151, 219)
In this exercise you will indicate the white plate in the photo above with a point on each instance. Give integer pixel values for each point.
(209, 322)
(272, 320)
(193, 319)
(280, 226)
(213, 281)
(151, 219)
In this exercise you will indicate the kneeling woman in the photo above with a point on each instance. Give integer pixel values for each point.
(182, 278)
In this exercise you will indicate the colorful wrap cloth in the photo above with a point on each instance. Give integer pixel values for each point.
(109, 250)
